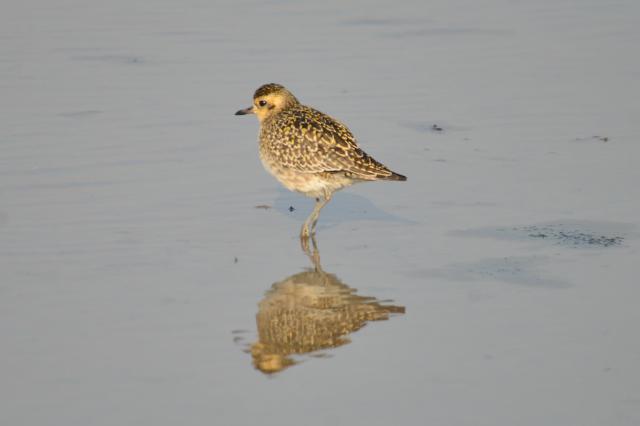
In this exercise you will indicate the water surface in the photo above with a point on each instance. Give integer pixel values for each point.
(139, 283)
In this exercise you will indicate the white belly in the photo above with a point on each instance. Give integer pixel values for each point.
(310, 184)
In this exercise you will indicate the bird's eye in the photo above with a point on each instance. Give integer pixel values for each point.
(262, 103)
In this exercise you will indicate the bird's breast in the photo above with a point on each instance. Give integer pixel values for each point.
(310, 184)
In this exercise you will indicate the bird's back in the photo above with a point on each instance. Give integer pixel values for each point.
(303, 140)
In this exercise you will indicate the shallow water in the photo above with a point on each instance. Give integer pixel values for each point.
(136, 271)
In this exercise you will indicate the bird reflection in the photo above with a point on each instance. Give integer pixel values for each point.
(308, 312)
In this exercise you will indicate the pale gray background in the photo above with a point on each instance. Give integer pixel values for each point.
(127, 188)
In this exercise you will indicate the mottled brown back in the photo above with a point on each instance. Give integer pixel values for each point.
(308, 141)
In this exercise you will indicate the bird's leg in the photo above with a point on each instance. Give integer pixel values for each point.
(316, 210)
(305, 231)
(304, 234)
(309, 225)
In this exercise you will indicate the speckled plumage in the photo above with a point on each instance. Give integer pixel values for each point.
(308, 151)
(303, 140)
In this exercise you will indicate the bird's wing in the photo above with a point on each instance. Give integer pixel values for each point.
(323, 144)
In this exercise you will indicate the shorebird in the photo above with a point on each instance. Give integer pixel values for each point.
(308, 151)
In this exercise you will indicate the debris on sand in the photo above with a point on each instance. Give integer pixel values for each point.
(592, 138)
(570, 233)
(434, 127)
(571, 237)
(263, 206)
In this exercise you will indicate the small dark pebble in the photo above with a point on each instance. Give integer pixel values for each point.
(291, 208)
(595, 137)
(540, 235)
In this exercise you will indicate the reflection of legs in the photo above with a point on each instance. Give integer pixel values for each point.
(314, 255)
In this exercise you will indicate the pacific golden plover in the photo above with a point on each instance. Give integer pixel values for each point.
(308, 151)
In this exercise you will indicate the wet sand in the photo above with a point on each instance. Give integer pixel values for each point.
(136, 273)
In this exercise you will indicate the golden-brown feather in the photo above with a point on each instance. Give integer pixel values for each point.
(308, 141)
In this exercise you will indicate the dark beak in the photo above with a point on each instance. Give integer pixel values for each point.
(245, 111)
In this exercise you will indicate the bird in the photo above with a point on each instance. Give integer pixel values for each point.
(308, 151)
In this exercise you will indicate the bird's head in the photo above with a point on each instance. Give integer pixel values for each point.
(269, 100)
